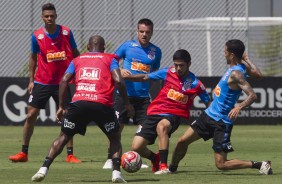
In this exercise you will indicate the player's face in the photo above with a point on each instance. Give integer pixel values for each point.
(49, 17)
(144, 34)
(181, 67)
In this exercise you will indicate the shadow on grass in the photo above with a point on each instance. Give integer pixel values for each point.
(132, 180)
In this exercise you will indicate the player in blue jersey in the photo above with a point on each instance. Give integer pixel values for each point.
(139, 57)
(217, 120)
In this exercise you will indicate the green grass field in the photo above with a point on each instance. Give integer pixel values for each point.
(250, 143)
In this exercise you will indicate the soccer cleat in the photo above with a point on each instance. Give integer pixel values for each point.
(172, 168)
(117, 178)
(156, 163)
(266, 168)
(144, 166)
(72, 159)
(108, 164)
(40, 175)
(20, 157)
(163, 169)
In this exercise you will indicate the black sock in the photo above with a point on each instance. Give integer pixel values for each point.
(109, 154)
(116, 164)
(47, 162)
(163, 155)
(25, 149)
(70, 150)
(152, 156)
(256, 164)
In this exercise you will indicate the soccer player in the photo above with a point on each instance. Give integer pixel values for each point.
(217, 120)
(53, 47)
(96, 74)
(139, 57)
(174, 100)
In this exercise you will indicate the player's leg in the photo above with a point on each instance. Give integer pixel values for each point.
(222, 163)
(146, 134)
(121, 114)
(108, 123)
(163, 129)
(70, 153)
(182, 147)
(140, 106)
(222, 146)
(37, 100)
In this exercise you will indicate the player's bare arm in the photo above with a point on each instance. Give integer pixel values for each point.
(137, 77)
(124, 72)
(252, 69)
(120, 86)
(32, 68)
(238, 79)
(75, 52)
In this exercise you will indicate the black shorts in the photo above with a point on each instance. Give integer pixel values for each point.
(207, 128)
(81, 113)
(41, 94)
(140, 106)
(148, 130)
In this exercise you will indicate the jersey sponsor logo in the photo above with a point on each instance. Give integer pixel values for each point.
(152, 53)
(40, 36)
(86, 87)
(140, 67)
(177, 96)
(89, 73)
(91, 56)
(217, 91)
(68, 124)
(65, 32)
(87, 96)
(109, 126)
(56, 56)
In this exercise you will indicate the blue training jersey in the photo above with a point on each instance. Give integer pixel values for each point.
(139, 60)
(225, 98)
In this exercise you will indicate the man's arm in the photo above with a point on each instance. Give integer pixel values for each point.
(120, 86)
(252, 70)
(32, 68)
(137, 77)
(75, 53)
(238, 78)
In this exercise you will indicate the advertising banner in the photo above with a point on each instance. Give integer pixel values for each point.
(267, 109)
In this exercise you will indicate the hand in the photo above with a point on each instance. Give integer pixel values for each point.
(234, 113)
(30, 87)
(130, 110)
(125, 72)
(245, 56)
(60, 114)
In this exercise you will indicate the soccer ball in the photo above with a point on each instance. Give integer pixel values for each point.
(131, 161)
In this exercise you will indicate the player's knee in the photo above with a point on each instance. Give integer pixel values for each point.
(220, 166)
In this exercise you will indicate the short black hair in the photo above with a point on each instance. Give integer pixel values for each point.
(48, 6)
(145, 21)
(182, 54)
(236, 47)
